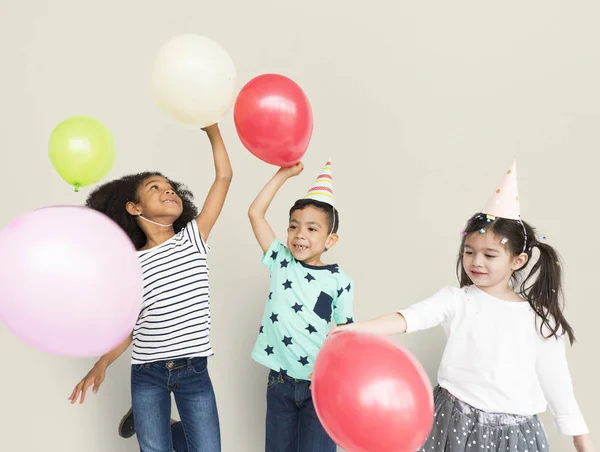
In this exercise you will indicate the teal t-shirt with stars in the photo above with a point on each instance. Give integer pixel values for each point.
(302, 302)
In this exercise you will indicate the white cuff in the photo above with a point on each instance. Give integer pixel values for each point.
(412, 324)
(571, 425)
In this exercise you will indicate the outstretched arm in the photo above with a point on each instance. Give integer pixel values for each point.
(387, 324)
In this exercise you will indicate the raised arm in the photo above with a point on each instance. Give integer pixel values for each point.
(258, 209)
(215, 199)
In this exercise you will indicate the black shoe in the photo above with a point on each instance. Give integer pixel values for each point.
(126, 426)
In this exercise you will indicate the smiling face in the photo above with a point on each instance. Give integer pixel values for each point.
(488, 262)
(158, 201)
(308, 235)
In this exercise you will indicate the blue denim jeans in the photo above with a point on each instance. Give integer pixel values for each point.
(292, 422)
(188, 380)
(178, 435)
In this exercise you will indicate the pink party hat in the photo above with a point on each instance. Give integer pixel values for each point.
(505, 202)
(322, 190)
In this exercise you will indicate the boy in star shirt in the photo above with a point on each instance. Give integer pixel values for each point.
(305, 297)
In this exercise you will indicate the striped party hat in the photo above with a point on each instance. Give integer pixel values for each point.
(322, 190)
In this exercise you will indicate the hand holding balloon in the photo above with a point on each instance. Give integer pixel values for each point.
(292, 171)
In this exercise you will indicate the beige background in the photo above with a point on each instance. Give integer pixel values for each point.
(422, 105)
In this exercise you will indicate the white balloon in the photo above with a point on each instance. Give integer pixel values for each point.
(194, 80)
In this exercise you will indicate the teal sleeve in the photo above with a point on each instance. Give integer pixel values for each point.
(274, 254)
(344, 304)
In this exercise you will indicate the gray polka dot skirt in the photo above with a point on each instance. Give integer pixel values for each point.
(458, 427)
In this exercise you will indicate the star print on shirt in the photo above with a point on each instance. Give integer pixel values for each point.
(303, 360)
(274, 255)
(287, 341)
(349, 320)
(340, 292)
(269, 350)
(261, 330)
(274, 317)
(287, 284)
(309, 277)
(283, 372)
(348, 287)
(297, 307)
(311, 329)
(334, 270)
(284, 263)
(270, 295)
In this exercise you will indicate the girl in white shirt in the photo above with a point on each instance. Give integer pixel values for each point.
(505, 356)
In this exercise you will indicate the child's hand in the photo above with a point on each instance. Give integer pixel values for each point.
(293, 170)
(211, 127)
(583, 443)
(337, 329)
(309, 377)
(94, 377)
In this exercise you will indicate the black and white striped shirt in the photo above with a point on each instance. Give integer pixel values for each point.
(174, 321)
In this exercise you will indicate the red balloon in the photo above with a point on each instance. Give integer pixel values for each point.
(273, 119)
(371, 395)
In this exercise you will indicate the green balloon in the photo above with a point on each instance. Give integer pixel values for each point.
(82, 150)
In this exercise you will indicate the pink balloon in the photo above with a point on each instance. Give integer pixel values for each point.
(70, 281)
(371, 395)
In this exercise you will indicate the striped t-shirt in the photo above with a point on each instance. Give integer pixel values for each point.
(174, 320)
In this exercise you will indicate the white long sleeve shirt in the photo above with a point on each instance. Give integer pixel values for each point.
(496, 359)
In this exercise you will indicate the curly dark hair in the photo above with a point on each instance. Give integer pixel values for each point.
(112, 197)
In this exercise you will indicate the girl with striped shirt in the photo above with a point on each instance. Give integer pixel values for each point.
(171, 338)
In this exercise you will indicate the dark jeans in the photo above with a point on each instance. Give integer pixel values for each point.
(178, 435)
(188, 380)
(292, 422)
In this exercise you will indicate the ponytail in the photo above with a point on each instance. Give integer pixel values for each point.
(544, 294)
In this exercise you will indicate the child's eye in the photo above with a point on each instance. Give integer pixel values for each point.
(312, 229)
(468, 252)
(153, 187)
(490, 256)
(292, 227)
